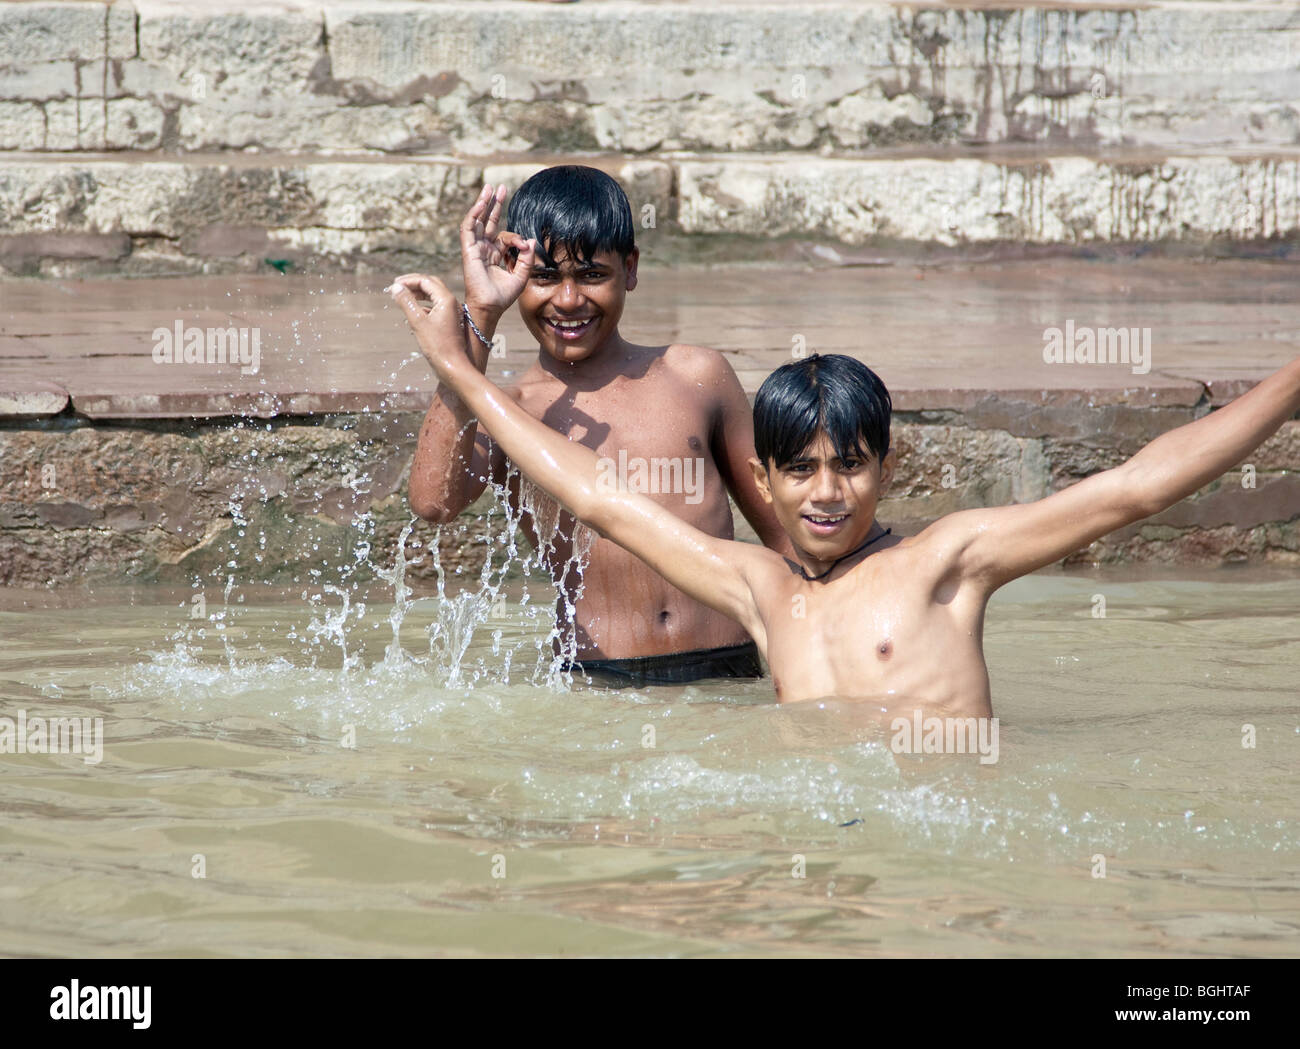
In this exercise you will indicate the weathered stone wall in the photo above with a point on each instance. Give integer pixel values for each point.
(84, 218)
(122, 215)
(177, 501)
(477, 79)
(152, 136)
(279, 501)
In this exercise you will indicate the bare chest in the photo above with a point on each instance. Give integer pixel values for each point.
(820, 646)
(875, 633)
(650, 437)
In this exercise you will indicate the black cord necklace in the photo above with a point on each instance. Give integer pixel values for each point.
(834, 564)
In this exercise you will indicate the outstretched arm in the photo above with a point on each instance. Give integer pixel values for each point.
(716, 572)
(998, 545)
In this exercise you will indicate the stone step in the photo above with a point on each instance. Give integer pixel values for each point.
(157, 214)
(965, 339)
(476, 79)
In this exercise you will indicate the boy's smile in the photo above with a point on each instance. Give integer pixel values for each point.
(826, 525)
(573, 308)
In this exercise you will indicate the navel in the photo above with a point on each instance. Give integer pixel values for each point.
(885, 649)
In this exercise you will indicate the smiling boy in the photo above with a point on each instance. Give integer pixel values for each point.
(861, 614)
(672, 421)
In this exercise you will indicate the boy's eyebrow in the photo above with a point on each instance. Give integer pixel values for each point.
(799, 460)
(578, 263)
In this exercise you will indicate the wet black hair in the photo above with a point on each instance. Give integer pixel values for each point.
(822, 392)
(573, 207)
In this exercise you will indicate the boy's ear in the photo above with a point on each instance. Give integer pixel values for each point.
(761, 481)
(887, 466)
(630, 266)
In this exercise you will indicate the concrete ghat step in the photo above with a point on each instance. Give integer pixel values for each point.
(473, 78)
(84, 215)
(965, 340)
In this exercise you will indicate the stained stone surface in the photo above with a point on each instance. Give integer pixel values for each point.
(478, 78)
(153, 214)
(150, 137)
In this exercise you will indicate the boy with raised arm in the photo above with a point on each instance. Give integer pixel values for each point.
(862, 614)
(669, 420)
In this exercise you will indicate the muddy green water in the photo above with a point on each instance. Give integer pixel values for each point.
(507, 817)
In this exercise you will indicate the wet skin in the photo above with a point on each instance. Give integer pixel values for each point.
(652, 402)
(898, 624)
(888, 621)
(593, 386)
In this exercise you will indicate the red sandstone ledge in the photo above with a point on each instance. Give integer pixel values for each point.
(964, 337)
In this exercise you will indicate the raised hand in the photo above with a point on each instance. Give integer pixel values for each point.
(440, 327)
(497, 263)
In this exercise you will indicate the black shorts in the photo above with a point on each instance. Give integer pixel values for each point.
(674, 669)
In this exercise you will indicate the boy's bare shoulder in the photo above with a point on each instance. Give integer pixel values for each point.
(533, 382)
(939, 550)
(698, 363)
(938, 542)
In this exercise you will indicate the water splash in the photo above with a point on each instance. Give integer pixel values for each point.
(402, 601)
(460, 616)
(566, 576)
(334, 627)
(459, 613)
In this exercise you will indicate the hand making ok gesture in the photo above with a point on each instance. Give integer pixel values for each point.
(497, 263)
